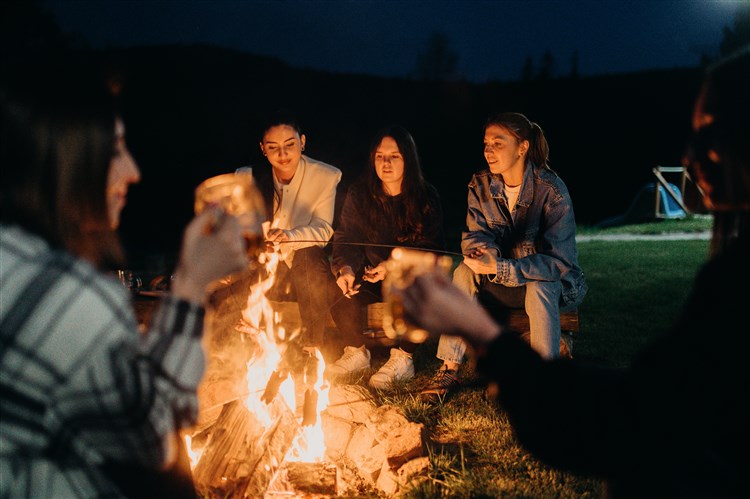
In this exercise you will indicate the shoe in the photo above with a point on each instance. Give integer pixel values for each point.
(355, 359)
(442, 383)
(400, 367)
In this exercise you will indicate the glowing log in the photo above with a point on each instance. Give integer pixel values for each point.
(241, 455)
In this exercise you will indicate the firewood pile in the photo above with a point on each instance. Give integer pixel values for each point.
(377, 444)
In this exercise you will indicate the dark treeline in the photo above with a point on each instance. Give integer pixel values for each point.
(195, 111)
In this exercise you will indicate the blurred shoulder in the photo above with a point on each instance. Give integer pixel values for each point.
(78, 304)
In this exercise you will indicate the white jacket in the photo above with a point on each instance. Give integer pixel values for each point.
(307, 206)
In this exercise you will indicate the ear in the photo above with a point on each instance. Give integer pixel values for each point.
(302, 140)
(524, 147)
(262, 149)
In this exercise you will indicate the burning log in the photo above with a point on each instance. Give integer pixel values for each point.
(242, 456)
(306, 478)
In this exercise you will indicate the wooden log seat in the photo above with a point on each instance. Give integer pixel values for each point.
(569, 322)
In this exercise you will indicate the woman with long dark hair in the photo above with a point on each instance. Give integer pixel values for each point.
(390, 204)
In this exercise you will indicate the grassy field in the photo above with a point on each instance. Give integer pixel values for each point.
(636, 290)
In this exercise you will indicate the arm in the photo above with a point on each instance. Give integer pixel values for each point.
(322, 200)
(433, 235)
(478, 233)
(349, 230)
(126, 395)
(569, 416)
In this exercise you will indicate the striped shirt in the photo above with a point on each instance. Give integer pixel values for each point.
(79, 385)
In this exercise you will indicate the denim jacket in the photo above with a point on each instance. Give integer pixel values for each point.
(537, 242)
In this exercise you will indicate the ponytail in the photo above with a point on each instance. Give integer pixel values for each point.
(523, 129)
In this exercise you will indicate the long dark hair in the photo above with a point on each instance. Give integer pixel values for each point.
(57, 136)
(413, 188)
(523, 129)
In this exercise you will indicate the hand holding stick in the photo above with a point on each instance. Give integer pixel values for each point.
(435, 304)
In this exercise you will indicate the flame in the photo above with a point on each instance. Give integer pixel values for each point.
(272, 339)
(309, 446)
(194, 455)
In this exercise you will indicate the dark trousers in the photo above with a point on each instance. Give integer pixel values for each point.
(310, 282)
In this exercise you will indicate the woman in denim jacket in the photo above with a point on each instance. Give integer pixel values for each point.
(519, 245)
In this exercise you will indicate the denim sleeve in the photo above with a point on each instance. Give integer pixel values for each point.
(478, 232)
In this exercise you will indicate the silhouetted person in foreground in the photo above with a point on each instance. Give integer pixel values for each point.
(91, 407)
(675, 423)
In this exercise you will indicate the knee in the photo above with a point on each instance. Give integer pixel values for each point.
(465, 279)
(547, 291)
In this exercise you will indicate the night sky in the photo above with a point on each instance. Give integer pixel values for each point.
(491, 39)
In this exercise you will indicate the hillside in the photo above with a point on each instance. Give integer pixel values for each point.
(194, 111)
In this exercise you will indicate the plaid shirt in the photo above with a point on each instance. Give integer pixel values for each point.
(79, 385)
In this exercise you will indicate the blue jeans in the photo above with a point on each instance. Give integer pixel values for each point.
(541, 299)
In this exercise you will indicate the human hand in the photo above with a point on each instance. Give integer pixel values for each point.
(274, 237)
(434, 303)
(212, 247)
(481, 260)
(374, 274)
(345, 281)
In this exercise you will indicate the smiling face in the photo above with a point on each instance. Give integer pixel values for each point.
(283, 147)
(504, 154)
(122, 172)
(389, 165)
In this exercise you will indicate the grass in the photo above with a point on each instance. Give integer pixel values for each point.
(636, 291)
(693, 223)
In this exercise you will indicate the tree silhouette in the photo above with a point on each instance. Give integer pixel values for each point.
(546, 66)
(26, 28)
(438, 61)
(574, 65)
(527, 71)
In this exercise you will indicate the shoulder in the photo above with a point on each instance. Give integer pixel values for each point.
(551, 179)
(86, 303)
(319, 168)
(480, 177)
(18, 242)
(433, 195)
(357, 196)
(357, 188)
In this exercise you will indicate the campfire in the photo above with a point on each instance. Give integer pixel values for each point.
(273, 420)
(271, 425)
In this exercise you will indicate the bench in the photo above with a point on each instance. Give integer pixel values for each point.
(373, 326)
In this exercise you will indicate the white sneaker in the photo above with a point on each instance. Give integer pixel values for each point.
(400, 367)
(354, 359)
